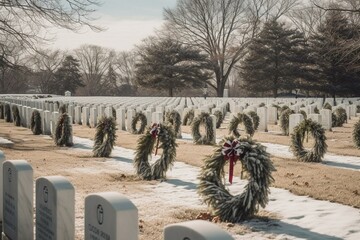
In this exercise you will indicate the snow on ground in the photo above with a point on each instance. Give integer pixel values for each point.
(5, 141)
(283, 151)
(300, 217)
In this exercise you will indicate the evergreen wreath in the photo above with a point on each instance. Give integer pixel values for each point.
(241, 118)
(189, 117)
(174, 119)
(284, 121)
(297, 138)
(256, 162)
(302, 112)
(339, 117)
(63, 131)
(255, 119)
(16, 115)
(158, 133)
(2, 111)
(63, 109)
(105, 137)
(139, 116)
(35, 122)
(327, 106)
(7, 113)
(206, 120)
(219, 118)
(356, 134)
(316, 110)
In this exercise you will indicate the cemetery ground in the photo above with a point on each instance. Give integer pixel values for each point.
(90, 175)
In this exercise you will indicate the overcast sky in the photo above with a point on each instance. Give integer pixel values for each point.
(127, 22)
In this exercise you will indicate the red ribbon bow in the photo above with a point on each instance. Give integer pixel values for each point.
(155, 130)
(231, 151)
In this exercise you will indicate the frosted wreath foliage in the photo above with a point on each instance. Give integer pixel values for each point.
(211, 188)
(284, 121)
(35, 122)
(16, 115)
(2, 111)
(63, 131)
(255, 119)
(139, 116)
(356, 134)
(301, 131)
(105, 137)
(339, 117)
(157, 134)
(188, 118)
(205, 120)
(174, 119)
(219, 118)
(238, 119)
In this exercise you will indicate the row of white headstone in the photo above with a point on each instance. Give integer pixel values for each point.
(154, 109)
(108, 215)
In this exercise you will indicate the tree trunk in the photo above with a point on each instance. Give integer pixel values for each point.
(170, 92)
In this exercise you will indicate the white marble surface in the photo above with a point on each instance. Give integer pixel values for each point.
(110, 215)
(18, 200)
(195, 230)
(55, 208)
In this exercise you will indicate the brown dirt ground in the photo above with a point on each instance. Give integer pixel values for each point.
(311, 179)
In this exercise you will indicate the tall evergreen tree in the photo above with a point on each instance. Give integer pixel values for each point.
(68, 77)
(275, 61)
(170, 65)
(335, 67)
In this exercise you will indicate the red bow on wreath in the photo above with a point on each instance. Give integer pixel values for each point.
(155, 130)
(231, 151)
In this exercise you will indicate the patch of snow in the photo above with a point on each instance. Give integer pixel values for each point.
(5, 141)
(301, 217)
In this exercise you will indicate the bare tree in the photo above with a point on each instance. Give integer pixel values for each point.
(125, 66)
(23, 20)
(44, 63)
(222, 29)
(94, 63)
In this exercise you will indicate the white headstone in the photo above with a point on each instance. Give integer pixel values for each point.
(77, 115)
(93, 117)
(55, 208)
(294, 120)
(272, 115)
(195, 230)
(129, 116)
(85, 115)
(315, 117)
(262, 113)
(110, 215)
(2, 160)
(120, 118)
(18, 200)
(326, 118)
(46, 121)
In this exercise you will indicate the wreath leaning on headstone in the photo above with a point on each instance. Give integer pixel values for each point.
(206, 120)
(7, 112)
(284, 121)
(238, 119)
(301, 131)
(157, 134)
(339, 117)
(35, 122)
(174, 119)
(256, 162)
(356, 134)
(16, 115)
(2, 111)
(255, 119)
(63, 131)
(219, 118)
(105, 137)
(139, 116)
(188, 118)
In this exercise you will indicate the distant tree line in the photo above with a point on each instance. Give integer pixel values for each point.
(254, 48)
